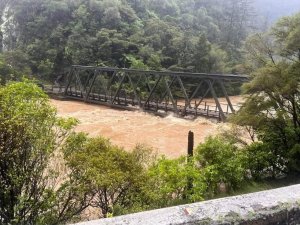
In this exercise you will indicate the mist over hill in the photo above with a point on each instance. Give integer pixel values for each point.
(272, 10)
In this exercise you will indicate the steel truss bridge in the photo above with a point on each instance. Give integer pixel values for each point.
(184, 94)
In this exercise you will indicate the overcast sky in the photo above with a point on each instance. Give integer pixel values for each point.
(274, 9)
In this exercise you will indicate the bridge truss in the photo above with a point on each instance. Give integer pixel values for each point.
(184, 94)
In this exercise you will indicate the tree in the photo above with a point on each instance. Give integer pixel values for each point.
(272, 109)
(286, 33)
(112, 175)
(30, 134)
(220, 162)
(272, 104)
(6, 72)
(235, 21)
(163, 34)
(202, 55)
(168, 182)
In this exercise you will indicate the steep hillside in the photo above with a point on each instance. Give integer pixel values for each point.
(190, 35)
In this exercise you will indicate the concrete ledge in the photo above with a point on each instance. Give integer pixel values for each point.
(278, 206)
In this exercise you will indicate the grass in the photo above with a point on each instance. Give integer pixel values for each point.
(267, 184)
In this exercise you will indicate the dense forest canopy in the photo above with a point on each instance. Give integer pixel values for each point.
(44, 37)
(191, 35)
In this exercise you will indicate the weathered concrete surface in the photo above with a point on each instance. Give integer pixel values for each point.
(278, 206)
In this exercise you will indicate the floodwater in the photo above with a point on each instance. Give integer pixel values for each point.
(166, 135)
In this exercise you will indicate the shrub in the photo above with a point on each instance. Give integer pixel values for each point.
(169, 181)
(220, 162)
(30, 133)
(258, 160)
(112, 176)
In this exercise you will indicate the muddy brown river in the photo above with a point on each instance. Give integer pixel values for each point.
(166, 135)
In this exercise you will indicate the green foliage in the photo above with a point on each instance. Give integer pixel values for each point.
(220, 162)
(112, 176)
(272, 110)
(201, 58)
(287, 32)
(272, 104)
(120, 182)
(259, 160)
(30, 134)
(44, 37)
(156, 34)
(7, 73)
(294, 158)
(136, 63)
(168, 181)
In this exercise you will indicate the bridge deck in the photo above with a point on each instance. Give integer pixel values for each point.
(205, 109)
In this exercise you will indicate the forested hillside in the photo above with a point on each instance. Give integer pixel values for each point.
(190, 35)
(50, 174)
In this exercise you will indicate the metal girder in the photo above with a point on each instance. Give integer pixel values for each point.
(166, 92)
(204, 95)
(91, 85)
(111, 80)
(152, 90)
(233, 77)
(226, 95)
(212, 90)
(183, 90)
(118, 90)
(134, 91)
(171, 96)
(68, 80)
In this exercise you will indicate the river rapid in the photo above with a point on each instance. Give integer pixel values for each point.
(166, 135)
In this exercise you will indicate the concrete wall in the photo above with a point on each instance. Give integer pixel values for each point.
(278, 206)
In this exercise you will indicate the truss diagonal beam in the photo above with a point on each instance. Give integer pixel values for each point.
(183, 90)
(134, 91)
(96, 73)
(157, 91)
(171, 96)
(212, 90)
(118, 89)
(169, 85)
(205, 94)
(226, 96)
(152, 91)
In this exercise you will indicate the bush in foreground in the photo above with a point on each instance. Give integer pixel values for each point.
(30, 134)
